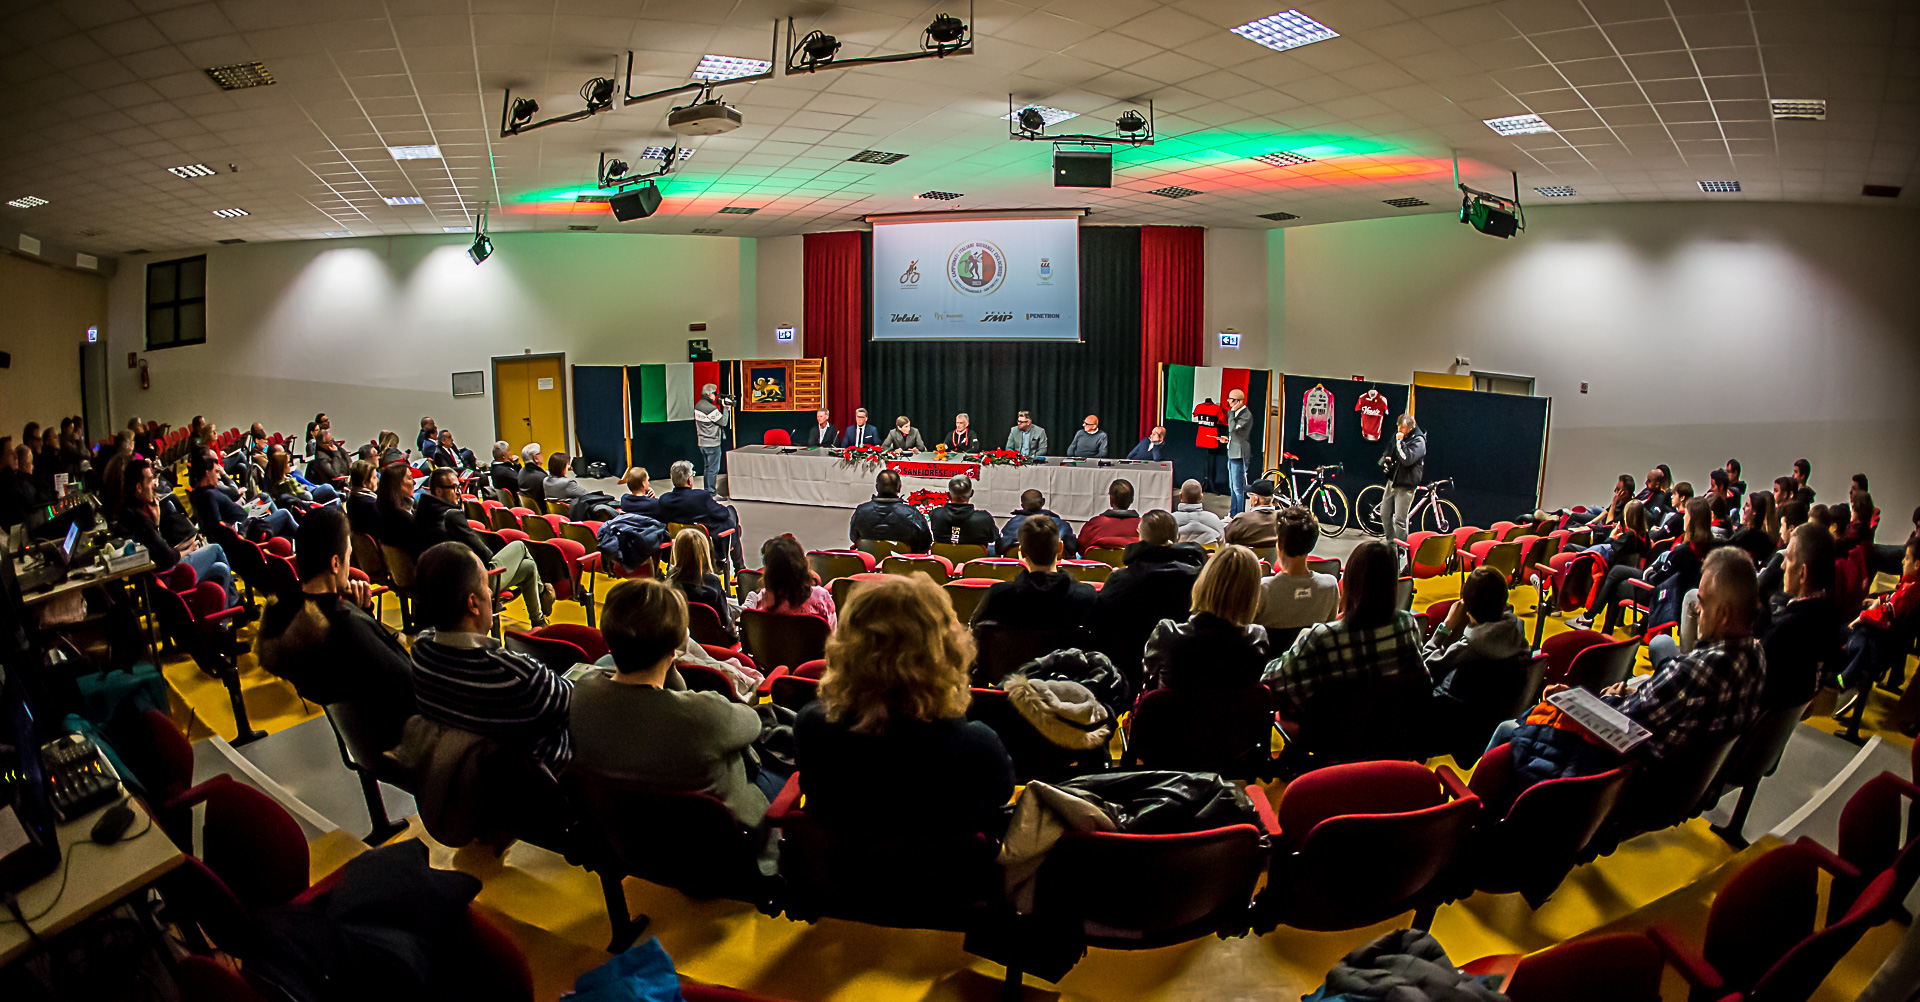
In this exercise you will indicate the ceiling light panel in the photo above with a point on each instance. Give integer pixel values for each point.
(1284, 158)
(239, 76)
(1288, 29)
(1556, 191)
(192, 170)
(876, 157)
(414, 152)
(1051, 116)
(456, 229)
(715, 68)
(1174, 191)
(1518, 125)
(26, 201)
(740, 210)
(1812, 109)
(231, 213)
(1278, 217)
(940, 196)
(405, 200)
(660, 153)
(1405, 203)
(1719, 186)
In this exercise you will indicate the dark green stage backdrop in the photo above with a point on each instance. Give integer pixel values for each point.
(599, 418)
(1360, 454)
(1491, 444)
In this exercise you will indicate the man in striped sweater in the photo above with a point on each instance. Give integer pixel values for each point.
(464, 678)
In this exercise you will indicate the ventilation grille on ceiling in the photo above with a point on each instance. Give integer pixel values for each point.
(230, 213)
(1278, 217)
(876, 157)
(706, 231)
(1518, 125)
(593, 198)
(740, 210)
(1719, 186)
(583, 229)
(192, 170)
(1284, 158)
(233, 240)
(239, 76)
(1880, 190)
(1556, 191)
(26, 201)
(939, 196)
(1804, 109)
(1405, 203)
(1174, 192)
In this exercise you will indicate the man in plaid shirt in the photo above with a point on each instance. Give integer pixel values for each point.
(1372, 649)
(1715, 689)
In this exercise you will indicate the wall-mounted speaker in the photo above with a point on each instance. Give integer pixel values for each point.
(1082, 169)
(636, 204)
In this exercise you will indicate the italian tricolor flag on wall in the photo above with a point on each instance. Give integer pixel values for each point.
(1190, 385)
(668, 392)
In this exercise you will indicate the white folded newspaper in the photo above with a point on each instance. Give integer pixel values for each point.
(1607, 725)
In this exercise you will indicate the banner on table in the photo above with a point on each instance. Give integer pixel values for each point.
(1189, 386)
(668, 392)
(933, 470)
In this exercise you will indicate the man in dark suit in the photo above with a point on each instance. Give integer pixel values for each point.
(504, 472)
(859, 432)
(962, 438)
(820, 433)
(690, 505)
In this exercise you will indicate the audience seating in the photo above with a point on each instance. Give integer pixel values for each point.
(1589, 659)
(1112, 556)
(1753, 759)
(957, 554)
(1434, 615)
(361, 753)
(162, 759)
(935, 568)
(1092, 572)
(831, 564)
(1501, 555)
(558, 655)
(781, 639)
(561, 562)
(1529, 842)
(1475, 706)
(1430, 554)
(540, 527)
(881, 549)
(1869, 839)
(700, 678)
(843, 588)
(705, 626)
(1034, 757)
(997, 568)
(1665, 792)
(253, 855)
(505, 518)
(1002, 650)
(1361, 843)
(1324, 565)
(1466, 536)
(1403, 596)
(587, 534)
(1622, 967)
(1225, 731)
(796, 688)
(965, 594)
(200, 623)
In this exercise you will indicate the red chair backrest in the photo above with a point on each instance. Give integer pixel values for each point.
(776, 639)
(1869, 838)
(558, 655)
(1624, 967)
(701, 678)
(1561, 648)
(681, 839)
(165, 756)
(776, 436)
(1668, 791)
(1602, 665)
(587, 638)
(255, 847)
(1530, 839)
(1223, 731)
(705, 625)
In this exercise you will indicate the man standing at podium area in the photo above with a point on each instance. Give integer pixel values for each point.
(1089, 442)
(1025, 437)
(962, 438)
(859, 432)
(821, 433)
(1239, 430)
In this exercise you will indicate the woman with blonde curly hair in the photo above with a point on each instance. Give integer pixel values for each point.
(890, 725)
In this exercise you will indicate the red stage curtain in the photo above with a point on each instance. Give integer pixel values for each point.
(1173, 280)
(833, 321)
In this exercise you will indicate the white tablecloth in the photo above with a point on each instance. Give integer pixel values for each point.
(812, 476)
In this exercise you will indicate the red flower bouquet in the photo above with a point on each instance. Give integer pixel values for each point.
(1002, 457)
(927, 501)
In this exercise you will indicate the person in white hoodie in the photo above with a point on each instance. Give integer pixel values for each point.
(1197, 524)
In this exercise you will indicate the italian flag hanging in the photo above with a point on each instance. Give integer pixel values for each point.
(1190, 385)
(668, 392)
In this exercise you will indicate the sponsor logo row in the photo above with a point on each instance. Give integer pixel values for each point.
(951, 318)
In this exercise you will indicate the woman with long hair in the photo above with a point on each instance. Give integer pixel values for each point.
(1759, 532)
(1218, 646)
(692, 573)
(787, 583)
(141, 517)
(1372, 652)
(389, 449)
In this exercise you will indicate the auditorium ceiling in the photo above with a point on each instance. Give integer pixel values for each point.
(1644, 100)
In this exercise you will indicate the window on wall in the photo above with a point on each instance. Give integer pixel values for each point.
(1499, 382)
(177, 303)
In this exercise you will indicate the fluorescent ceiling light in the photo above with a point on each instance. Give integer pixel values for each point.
(940, 196)
(239, 76)
(660, 153)
(1288, 29)
(1719, 186)
(405, 200)
(740, 210)
(339, 233)
(1051, 116)
(1556, 191)
(1810, 109)
(414, 152)
(714, 67)
(26, 201)
(230, 213)
(192, 170)
(1284, 158)
(1518, 125)
(456, 229)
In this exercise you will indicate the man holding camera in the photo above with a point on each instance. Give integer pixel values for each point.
(1406, 464)
(711, 417)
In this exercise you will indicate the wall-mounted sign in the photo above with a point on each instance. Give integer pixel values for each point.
(93, 335)
(1228, 339)
(784, 335)
(469, 384)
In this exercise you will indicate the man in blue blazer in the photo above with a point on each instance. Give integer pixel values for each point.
(1153, 448)
(859, 432)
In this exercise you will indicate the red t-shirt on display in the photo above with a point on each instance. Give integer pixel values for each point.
(1210, 417)
(1373, 410)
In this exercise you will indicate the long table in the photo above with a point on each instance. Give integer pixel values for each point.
(1077, 490)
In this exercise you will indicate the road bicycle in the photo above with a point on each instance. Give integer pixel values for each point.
(1327, 502)
(1430, 512)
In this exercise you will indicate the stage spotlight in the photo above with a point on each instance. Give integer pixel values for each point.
(1130, 122)
(524, 110)
(482, 248)
(819, 47)
(946, 32)
(1031, 120)
(598, 93)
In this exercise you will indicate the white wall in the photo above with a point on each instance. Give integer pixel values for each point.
(782, 295)
(370, 330)
(1764, 332)
(46, 311)
(1236, 292)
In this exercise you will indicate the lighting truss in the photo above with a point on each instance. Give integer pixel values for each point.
(629, 98)
(1142, 136)
(622, 180)
(799, 61)
(597, 93)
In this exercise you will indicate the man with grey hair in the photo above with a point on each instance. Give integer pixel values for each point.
(1406, 464)
(711, 418)
(962, 438)
(690, 505)
(532, 481)
(958, 521)
(1196, 523)
(504, 472)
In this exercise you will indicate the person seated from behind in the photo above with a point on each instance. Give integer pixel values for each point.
(631, 724)
(324, 640)
(439, 517)
(787, 583)
(464, 678)
(1153, 448)
(1479, 630)
(689, 505)
(639, 498)
(1257, 528)
(1156, 582)
(1296, 596)
(451, 455)
(891, 717)
(958, 522)
(504, 471)
(1041, 596)
(1116, 528)
(904, 436)
(329, 462)
(1372, 650)
(1802, 637)
(1871, 647)
(1197, 524)
(363, 503)
(1219, 646)
(1033, 503)
(560, 485)
(859, 432)
(692, 574)
(532, 482)
(1089, 442)
(887, 516)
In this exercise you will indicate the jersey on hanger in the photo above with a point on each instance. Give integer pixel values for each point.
(1373, 412)
(1210, 417)
(1316, 414)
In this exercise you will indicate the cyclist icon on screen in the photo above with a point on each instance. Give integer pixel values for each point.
(912, 275)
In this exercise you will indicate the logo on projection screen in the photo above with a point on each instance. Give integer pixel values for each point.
(976, 268)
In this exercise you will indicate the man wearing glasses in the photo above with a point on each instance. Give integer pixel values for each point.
(1089, 442)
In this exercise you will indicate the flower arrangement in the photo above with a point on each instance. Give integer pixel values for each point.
(1002, 457)
(863, 455)
(927, 501)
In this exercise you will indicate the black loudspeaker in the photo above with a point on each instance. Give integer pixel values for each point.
(636, 204)
(1082, 169)
(6, 360)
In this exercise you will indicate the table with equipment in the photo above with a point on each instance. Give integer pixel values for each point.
(1075, 488)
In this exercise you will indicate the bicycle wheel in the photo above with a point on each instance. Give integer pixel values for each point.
(1440, 516)
(1367, 510)
(1329, 505)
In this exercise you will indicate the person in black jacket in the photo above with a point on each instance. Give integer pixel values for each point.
(692, 574)
(958, 521)
(1041, 597)
(504, 472)
(438, 517)
(639, 498)
(1033, 503)
(962, 438)
(363, 505)
(20, 492)
(1155, 583)
(532, 484)
(889, 517)
(143, 520)
(329, 462)
(1219, 647)
(448, 454)
(820, 434)
(1406, 464)
(1803, 636)
(690, 505)
(211, 504)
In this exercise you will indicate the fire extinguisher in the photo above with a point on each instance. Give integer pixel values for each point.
(145, 383)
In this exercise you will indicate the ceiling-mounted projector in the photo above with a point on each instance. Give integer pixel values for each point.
(709, 118)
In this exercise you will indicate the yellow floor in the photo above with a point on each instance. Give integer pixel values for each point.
(554, 910)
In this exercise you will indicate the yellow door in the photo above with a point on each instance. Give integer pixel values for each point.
(529, 403)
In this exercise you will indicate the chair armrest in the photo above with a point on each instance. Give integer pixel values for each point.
(1828, 861)
(1642, 585)
(1261, 806)
(1451, 780)
(495, 571)
(1401, 543)
(1690, 962)
(216, 618)
(766, 684)
(590, 562)
(1499, 964)
(197, 794)
(786, 803)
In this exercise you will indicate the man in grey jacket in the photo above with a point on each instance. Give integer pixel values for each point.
(1025, 437)
(711, 416)
(1196, 523)
(1406, 464)
(1239, 432)
(1089, 442)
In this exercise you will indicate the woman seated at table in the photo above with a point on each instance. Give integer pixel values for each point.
(904, 436)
